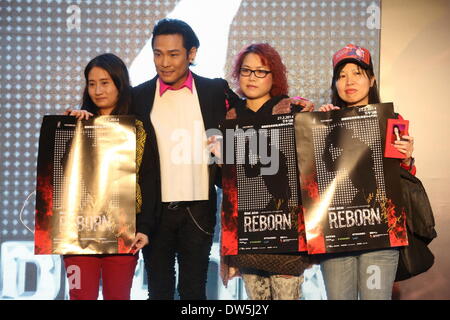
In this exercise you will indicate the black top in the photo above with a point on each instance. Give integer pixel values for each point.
(212, 96)
(242, 111)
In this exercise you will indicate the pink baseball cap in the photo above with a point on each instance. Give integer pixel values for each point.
(352, 53)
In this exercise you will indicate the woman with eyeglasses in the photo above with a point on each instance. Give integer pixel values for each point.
(262, 82)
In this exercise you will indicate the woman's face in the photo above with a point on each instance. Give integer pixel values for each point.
(353, 85)
(102, 90)
(255, 88)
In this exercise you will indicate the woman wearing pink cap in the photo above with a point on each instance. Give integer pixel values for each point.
(350, 275)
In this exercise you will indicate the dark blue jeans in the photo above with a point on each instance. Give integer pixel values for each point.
(184, 234)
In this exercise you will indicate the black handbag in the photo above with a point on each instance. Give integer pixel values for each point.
(416, 258)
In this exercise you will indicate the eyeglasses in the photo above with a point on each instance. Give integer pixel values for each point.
(258, 73)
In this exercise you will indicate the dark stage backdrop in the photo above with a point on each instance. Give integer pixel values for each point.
(46, 44)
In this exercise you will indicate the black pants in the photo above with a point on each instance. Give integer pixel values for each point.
(185, 233)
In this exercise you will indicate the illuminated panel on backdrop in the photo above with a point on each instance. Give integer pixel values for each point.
(46, 44)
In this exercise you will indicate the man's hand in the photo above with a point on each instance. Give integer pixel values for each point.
(215, 146)
(140, 241)
(285, 105)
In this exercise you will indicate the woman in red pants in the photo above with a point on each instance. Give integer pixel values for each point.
(107, 92)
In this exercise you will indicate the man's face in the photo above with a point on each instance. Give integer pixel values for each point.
(171, 59)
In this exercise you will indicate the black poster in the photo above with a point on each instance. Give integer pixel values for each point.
(351, 193)
(86, 185)
(261, 199)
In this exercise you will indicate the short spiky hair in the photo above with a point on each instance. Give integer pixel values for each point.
(175, 26)
(270, 58)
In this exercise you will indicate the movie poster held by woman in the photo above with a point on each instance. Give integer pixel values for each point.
(86, 185)
(350, 192)
(262, 210)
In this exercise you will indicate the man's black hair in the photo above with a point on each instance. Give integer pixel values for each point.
(175, 26)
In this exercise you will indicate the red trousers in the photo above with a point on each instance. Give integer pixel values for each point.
(84, 273)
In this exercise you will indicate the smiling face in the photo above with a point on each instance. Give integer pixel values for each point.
(171, 59)
(353, 85)
(256, 90)
(102, 90)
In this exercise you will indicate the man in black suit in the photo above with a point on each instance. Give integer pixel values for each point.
(178, 108)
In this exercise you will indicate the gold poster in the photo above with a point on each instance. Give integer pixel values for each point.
(86, 185)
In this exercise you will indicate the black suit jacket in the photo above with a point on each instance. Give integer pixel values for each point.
(213, 95)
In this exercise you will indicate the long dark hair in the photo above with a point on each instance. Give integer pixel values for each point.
(368, 71)
(118, 72)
